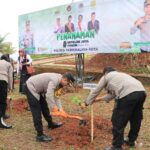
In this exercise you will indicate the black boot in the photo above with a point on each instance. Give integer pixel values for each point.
(4, 125)
(54, 125)
(43, 138)
(113, 148)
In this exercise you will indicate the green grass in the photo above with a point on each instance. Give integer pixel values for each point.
(22, 136)
(138, 70)
(42, 56)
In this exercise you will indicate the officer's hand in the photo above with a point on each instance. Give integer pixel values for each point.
(98, 99)
(83, 106)
(139, 22)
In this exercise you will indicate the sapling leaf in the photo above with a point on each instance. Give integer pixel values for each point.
(77, 100)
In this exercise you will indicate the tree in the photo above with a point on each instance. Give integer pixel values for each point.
(6, 47)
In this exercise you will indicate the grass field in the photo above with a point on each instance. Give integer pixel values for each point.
(22, 136)
(43, 56)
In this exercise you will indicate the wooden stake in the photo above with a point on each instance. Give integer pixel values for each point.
(92, 124)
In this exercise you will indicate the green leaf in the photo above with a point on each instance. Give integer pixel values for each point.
(6, 47)
(77, 100)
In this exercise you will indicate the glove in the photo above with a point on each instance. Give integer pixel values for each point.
(58, 92)
(56, 112)
(55, 109)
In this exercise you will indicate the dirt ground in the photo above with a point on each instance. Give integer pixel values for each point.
(71, 136)
(131, 63)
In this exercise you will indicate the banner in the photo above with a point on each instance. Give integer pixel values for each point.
(89, 26)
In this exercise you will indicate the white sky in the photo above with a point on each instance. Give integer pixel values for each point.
(11, 9)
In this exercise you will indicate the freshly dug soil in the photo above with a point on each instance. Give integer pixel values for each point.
(119, 61)
(19, 104)
(72, 134)
(16, 81)
(124, 62)
(79, 136)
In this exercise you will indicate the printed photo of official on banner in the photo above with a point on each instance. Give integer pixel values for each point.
(88, 26)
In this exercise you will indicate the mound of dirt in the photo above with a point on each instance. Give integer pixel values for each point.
(124, 62)
(73, 134)
(16, 81)
(80, 136)
(119, 61)
(19, 104)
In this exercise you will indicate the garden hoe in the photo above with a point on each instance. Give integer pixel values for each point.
(76, 100)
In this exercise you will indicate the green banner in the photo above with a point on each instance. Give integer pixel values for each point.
(89, 26)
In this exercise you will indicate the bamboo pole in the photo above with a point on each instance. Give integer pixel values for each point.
(92, 124)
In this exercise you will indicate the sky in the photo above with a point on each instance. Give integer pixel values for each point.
(11, 9)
